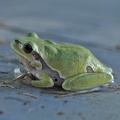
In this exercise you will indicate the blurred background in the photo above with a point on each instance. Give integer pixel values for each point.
(92, 21)
(94, 24)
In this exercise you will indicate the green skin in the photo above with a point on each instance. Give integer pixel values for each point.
(74, 63)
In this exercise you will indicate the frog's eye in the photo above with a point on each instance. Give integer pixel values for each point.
(27, 48)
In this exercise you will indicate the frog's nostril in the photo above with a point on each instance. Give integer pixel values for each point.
(17, 41)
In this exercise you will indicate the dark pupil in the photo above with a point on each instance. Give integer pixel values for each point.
(27, 48)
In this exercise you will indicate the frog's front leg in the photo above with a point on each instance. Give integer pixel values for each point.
(87, 81)
(45, 81)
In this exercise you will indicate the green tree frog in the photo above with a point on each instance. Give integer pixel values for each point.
(70, 66)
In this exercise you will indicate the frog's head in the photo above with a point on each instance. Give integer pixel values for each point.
(24, 46)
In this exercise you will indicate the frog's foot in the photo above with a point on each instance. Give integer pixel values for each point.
(110, 86)
(114, 87)
(71, 93)
(63, 93)
(74, 93)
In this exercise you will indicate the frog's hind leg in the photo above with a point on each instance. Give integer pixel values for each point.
(87, 81)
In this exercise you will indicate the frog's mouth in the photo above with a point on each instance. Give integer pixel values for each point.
(27, 64)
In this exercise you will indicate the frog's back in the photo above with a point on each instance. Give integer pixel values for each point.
(80, 53)
(68, 52)
(73, 59)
